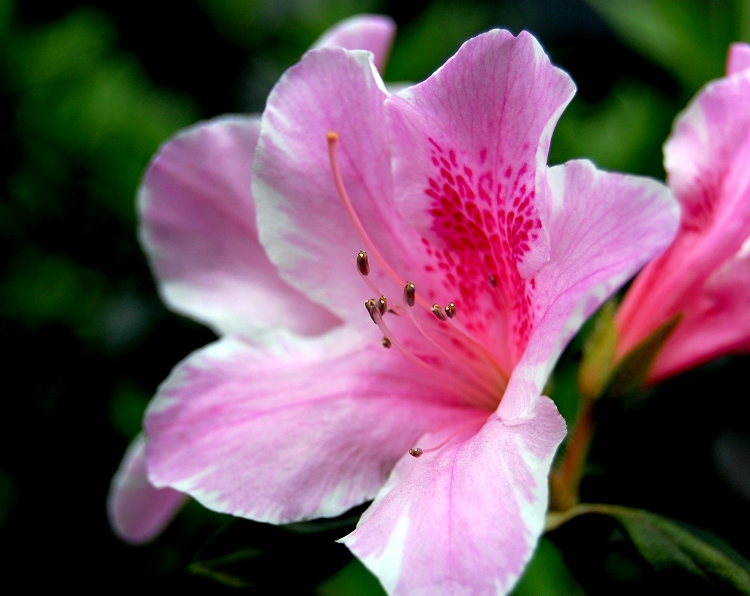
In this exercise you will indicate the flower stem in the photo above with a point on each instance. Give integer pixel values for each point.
(565, 480)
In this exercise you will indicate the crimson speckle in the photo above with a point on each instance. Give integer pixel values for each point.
(485, 243)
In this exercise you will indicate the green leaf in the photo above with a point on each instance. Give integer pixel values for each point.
(547, 574)
(246, 554)
(220, 570)
(353, 580)
(670, 546)
(688, 39)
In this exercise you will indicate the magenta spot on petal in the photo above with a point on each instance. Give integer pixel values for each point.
(485, 230)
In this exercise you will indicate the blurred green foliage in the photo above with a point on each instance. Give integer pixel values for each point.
(84, 108)
(86, 105)
(687, 39)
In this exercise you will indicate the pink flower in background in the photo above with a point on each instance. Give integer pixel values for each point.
(705, 274)
(489, 262)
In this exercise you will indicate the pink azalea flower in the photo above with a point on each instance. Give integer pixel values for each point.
(705, 273)
(489, 261)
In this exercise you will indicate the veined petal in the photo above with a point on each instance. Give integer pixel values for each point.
(706, 158)
(137, 511)
(706, 155)
(603, 228)
(307, 429)
(738, 58)
(304, 225)
(716, 322)
(373, 33)
(198, 228)
(478, 131)
(468, 145)
(464, 519)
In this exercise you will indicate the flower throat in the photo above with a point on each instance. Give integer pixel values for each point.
(479, 389)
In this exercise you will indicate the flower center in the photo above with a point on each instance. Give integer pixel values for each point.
(448, 351)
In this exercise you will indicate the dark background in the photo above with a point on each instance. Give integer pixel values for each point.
(88, 92)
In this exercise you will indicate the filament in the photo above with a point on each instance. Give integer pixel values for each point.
(419, 451)
(461, 388)
(333, 138)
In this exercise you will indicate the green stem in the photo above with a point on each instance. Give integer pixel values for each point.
(565, 481)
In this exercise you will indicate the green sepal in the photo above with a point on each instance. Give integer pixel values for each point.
(629, 374)
(598, 354)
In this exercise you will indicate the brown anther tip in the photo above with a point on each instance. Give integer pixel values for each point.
(438, 312)
(383, 305)
(374, 309)
(415, 452)
(363, 264)
(450, 310)
(386, 342)
(410, 294)
(332, 136)
(493, 281)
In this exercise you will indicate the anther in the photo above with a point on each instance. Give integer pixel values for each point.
(386, 343)
(363, 264)
(493, 280)
(383, 305)
(438, 312)
(450, 310)
(373, 307)
(418, 451)
(410, 294)
(332, 136)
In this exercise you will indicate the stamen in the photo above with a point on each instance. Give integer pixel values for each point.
(481, 399)
(450, 310)
(372, 308)
(386, 343)
(363, 275)
(363, 264)
(438, 312)
(419, 451)
(493, 280)
(332, 139)
(410, 294)
(383, 305)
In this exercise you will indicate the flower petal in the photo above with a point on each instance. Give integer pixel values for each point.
(308, 430)
(465, 519)
(137, 511)
(706, 155)
(304, 225)
(706, 158)
(476, 133)
(373, 33)
(738, 58)
(603, 228)
(468, 144)
(198, 227)
(715, 323)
